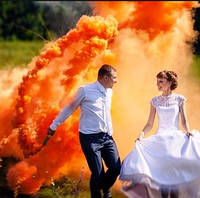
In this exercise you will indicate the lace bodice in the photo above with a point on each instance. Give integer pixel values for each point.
(167, 108)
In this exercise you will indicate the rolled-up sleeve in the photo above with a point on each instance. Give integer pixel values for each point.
(69, 109)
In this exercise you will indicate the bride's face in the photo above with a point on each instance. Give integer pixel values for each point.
(163, 84)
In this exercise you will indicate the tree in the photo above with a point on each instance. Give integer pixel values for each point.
(197, 28)
(29, 20)
(20, 20)
(61, 16)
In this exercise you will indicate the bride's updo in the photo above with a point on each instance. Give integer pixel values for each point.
(170, 76)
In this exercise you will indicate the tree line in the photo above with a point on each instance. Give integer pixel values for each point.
(197, 28)
(32, 20)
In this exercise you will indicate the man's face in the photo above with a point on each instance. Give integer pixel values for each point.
(111, 80)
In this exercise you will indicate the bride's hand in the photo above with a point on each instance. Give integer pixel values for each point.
(189, 134)
(140, 137)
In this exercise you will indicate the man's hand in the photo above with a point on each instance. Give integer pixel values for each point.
(50, 133)
(138, 139)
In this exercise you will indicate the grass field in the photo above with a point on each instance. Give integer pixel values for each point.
(64, 187)
(18, 53)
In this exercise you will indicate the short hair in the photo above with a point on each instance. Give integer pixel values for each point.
(105, 70)
(170, 76)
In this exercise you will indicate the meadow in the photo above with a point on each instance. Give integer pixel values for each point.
(18, 53)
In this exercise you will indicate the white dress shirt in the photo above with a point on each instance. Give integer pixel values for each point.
(95, 103)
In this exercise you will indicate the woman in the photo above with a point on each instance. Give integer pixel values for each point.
(166, 164)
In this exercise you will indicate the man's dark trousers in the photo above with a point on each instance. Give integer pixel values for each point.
(95, 148)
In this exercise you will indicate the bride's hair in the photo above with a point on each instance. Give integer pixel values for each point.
(170, 76)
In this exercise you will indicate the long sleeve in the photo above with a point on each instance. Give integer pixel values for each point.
(108, 113)
(69, 109)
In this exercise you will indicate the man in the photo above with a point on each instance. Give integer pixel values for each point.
(95, 130)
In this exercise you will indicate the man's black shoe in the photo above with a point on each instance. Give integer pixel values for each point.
(107, 194)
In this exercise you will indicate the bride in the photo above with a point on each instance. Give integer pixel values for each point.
(166, 164)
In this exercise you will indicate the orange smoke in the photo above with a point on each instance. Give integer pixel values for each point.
(152, 17)
(73, 60)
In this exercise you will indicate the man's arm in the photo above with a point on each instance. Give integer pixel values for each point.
(65, 113)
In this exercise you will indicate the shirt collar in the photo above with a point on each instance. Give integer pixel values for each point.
(100, 87)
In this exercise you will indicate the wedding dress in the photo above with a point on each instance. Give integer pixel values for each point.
(166, 161)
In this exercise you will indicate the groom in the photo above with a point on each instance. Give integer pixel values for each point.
(95, 129)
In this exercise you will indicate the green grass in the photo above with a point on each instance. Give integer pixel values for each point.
(66, 187)
(50, 193)
(18, 53)
(196, 67)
